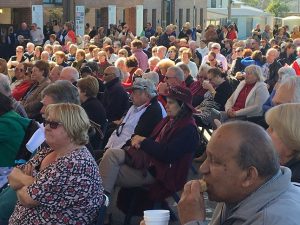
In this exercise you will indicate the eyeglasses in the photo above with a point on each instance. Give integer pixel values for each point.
(120, 129)
(108, 74)
(167, 78)
(52, 124)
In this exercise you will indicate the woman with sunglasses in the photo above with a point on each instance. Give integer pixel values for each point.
(60, 184)
(23, 81)
(160, 161)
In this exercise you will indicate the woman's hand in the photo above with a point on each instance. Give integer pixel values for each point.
(28, 170)
(136, 141)
(18, 179)
(15, 179)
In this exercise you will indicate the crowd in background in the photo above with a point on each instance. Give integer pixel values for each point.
(149, 91)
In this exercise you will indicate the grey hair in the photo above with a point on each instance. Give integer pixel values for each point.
(255, 148)
(204, 68)
(72, 71)
(154, 58)
(144, 39)
(255, 70)
(153, 76)
(285, 72)
(4, 85)
(178, 72)
(184, 67)
(62, 91)
(294, 84)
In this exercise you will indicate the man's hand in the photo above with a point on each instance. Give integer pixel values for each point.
(162, 88)
(136, 141)
(191, 205)
(231, 113)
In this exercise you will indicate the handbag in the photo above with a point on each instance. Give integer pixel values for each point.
(136, 158)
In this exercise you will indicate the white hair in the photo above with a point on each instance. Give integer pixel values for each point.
(4, 85)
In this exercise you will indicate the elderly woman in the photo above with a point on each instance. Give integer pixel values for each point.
(88, 89)
(249, 96)
(283, 121)
(284, 73)
(60, 184)
(186, 59)
(162, 160)
(32, 99)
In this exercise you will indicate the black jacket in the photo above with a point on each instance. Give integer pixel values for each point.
(149, 119)
(115, 100)
(96, 112)
(273, 74)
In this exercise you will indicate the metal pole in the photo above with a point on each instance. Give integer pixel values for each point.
(229, 11)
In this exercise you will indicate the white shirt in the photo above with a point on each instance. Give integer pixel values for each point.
(126, 129)
(221, 58)
(37, 36)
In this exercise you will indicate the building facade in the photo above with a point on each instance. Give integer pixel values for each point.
(104, 12)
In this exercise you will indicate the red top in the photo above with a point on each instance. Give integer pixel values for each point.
(71, 34)
(130, 79)
(241, 99)
(232, 35)
(296, 67)
(21, 89)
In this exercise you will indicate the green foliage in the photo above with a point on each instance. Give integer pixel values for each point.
(278, 8)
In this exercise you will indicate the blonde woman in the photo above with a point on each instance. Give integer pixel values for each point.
(60, 184)
(283, 121)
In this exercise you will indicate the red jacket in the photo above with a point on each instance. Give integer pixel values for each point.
(296, 66)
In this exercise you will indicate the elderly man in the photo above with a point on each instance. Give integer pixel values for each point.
(70, 74)
(29, 51)
(245, 177)
(142, 116)
(173, 77)
(216, 47)
(270, 68)
(115, 98)
(36, 34)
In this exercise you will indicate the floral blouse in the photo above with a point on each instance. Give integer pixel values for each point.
(69, 191)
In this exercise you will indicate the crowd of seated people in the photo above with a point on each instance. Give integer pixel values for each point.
(137, 95)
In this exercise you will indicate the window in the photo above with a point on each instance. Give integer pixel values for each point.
(154, 18)
(188, 15)
(213, 4)
(52, 1)
(145, 17)
(180, 18)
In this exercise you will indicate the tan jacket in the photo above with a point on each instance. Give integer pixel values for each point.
(32, 102)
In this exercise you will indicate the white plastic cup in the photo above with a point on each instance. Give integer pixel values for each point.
(36, 140)
(157, 217)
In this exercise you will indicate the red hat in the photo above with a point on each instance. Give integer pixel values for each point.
(182, 94)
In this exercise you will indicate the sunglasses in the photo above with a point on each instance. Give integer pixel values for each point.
(52, 124)
(167, 78)
(108, 74)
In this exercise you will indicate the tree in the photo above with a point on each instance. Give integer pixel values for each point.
(278, 8)
(261, 4)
